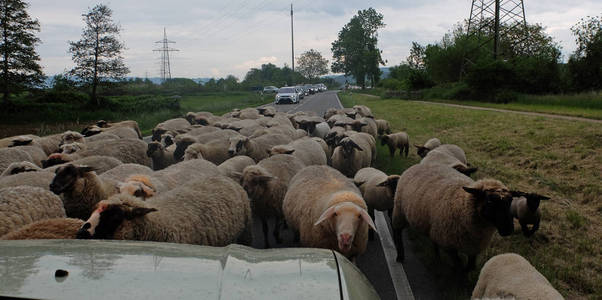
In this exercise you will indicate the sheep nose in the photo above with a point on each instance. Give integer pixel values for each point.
(230, 152)
(83, 232)
(345, 241)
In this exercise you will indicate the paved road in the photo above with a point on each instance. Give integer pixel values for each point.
(373, 263)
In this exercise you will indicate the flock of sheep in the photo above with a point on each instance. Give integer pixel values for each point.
(203, 178)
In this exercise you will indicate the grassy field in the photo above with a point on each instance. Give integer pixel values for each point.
(558, 158)
(217, 103)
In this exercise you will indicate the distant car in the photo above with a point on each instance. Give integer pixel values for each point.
(300, 92)
(270, 89)
(287, 94)
(322, 87)
(310, 89)
(97, 269)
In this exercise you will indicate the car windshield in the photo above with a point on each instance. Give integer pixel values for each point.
(286, 90)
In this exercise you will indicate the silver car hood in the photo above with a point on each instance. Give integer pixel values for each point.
(148, 270)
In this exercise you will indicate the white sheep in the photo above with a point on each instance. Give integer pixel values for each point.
(366, 125)
(182, 141)
(22, 205)
(55, 228)
(179, 125)
(398, 140)
(307, 150)
(352, 154)
(525, 208)
(41, 179)
(99, 163)
(69, 137)
(49, 144)
(428, 146)
(11, 155)
(36, 153)
(457, 213)
(125, 150)
(510, 275)
(382, 126)
(266, 184)
(256, 148)
(208, 210)
(449, 155)
(214, 151)
(234, 166)
(198, 117)
(268, 111)
(123, 129)
(327, 211)
(363, 111)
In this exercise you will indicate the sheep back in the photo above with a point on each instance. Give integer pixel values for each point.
(55, 228)
(22, 205)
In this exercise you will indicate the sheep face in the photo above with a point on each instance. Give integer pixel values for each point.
(181, 147)
(254, 180)
(390, 183)
(157, 132)
(153, 149)
(193, 152)
(357, 125)
(348, 146)
(109, 217)
(167, 139)
(422, 151)
(237, 146)
(71, 148)
(66, 177)
(344, 219)
(493, 200)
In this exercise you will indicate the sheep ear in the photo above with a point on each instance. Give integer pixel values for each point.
(366, 217)
(384, 183)
(354, 145)
(326, 214)
(533, 200)
(474, 191)
(138, 212)
(391, 181)
(289, 151)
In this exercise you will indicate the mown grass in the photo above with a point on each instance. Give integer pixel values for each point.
(48, 123)
(558, 158)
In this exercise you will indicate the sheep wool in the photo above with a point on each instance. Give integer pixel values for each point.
(55, 228)
(22, 205)
(510, 275)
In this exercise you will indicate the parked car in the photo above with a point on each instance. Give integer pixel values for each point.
(310, 88)
(102, 269)
(300, 92)
(287, 94)
(270, 89)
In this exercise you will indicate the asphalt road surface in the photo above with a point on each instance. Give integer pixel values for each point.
(374, 263)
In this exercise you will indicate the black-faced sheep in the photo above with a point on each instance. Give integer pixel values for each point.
(215, 151)
(457, 213)
(256, 148)
(266, 184)
(182, 141)
(428, 146)
(162, 156)
(198, 117)
(179, 125)
(510, 276)
(525, 208)
(22, 205)
(394, 141)
(363, 111)
(327, 210)
(55, 228)
(307, 150)
(125, 150)
(352, 154)
(208, 210)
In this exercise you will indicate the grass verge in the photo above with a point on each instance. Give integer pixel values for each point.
(558, 158)
(43, 124)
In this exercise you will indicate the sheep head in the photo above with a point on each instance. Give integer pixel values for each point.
(390, 182)
(67, 176)
(421, 150)
(358, 124)
(254, 180)
(384, 140)
(154, 148)
(194, 151)
(138, 186)
(71, 148)
(532, 199)
(344, 218)
(102, 124)
(348, 146)
(492, 201)
(237, 145)
(21, 141)
(182, 142)
(109, 219)
(91, 130)
(157, 132)
(20, 167)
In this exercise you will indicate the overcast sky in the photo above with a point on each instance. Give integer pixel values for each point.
(217, 38)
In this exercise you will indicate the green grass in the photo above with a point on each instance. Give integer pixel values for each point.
(558, 158)
(58, 121)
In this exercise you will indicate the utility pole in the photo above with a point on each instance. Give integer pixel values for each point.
(496, 29)
(292, 41)
(165, 65)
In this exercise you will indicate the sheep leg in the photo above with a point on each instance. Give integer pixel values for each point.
(398, 239)
(297, 238)
(277, 227)
(392, 151)
(471, 264)
(407, 149)
(264, 225)
(370, 230)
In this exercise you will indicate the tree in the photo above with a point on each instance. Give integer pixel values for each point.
(19, 68)
(416, 58)
(585, 65)
(311, 64)
(355, 51)
(98, 54)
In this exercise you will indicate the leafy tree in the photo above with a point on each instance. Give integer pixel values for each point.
(97, 54)
(416, 58)
(355, 51)
(311, 64)
(585, 65)
(19, 68)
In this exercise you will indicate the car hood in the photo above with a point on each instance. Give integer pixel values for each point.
(143, 270)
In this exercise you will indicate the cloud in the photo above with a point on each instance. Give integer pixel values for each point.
(217, 38)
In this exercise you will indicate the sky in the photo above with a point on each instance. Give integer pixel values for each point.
(218, 38)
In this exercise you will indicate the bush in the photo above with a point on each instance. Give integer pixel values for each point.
(392, 84)
(419, 79)
(62, 96)
(142, 103)
(488, 78)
